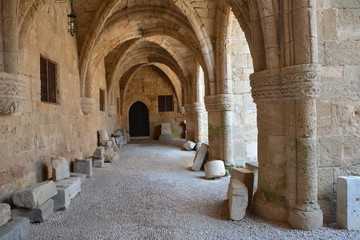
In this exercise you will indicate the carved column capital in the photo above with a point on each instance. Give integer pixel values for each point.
(220, 102)
(194, 107)
(288, 83)
(13, 93)
(87, 105)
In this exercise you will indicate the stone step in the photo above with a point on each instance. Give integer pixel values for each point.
(16, 229)
(84, 166)
(67, 189)
(5, 213)
(36, 215)
(34, 195)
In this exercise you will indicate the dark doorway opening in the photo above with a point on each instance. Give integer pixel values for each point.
(139, 120)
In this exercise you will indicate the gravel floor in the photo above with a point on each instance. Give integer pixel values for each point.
(151, 194)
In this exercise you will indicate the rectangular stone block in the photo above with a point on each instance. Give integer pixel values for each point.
(17, 229)
(39, 214)
(79, 175)
(5, 213)
(67, 190)
(60, 168)
(247, 177)
(200, 157)
(238, 199)
(165, 128)
(254, 167)
(34, 195)
(99, 152)
(84, 166)
(99, 163)
(348, 202)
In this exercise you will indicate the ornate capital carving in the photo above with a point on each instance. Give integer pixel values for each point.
(221, 102)
(194, 107)
(13, 93)
(288, 83)
(87, 105)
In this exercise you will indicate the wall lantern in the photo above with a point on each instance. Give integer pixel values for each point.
(72, 24)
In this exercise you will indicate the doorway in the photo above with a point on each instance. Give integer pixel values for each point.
(139, 120)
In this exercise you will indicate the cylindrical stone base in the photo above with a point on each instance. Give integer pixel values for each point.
(214, 169)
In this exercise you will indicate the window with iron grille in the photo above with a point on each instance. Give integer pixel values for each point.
(165, 103)
(48, 80)
(102, 100)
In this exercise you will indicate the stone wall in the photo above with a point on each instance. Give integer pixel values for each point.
(338, 108)
(244, 123)
(149, 83)
(44, 129)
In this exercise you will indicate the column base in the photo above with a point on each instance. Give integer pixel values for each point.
(306, 218)
(269, 210)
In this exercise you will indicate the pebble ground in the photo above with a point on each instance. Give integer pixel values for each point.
(151, 194)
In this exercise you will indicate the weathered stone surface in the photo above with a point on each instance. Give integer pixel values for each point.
(103, 135)
(17, 229)
(34, 195)
(39, 214)
(99, 152)
(60, 168)
(254, 167)
(166, 137)
(348, 202)
(238, 199)
(5, 213)
(67, 190)
(247, 178)
(84, 166)
(79, 175)
(214, 169)
(166, 128)
(189, 145)
(111, 156)
(99, 163)
(200, 157)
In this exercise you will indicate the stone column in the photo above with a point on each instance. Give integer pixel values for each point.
(194, 123)
(220, 111)
(287, 145)
(10, 36)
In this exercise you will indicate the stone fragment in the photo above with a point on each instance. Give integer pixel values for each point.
(200, 157)
(39, 214)
(103, 135)
(214, 169)
(348, 202)
(99, 152)
(99, 163)
(16, 229)
(79, 175)
(34, 195)
(166, 128)
(245, 176)
(60, 168)
(67, 190)
(189, 145)
(5, 213)
(166, 137)
(254, 167)
(111, 156)
(238, 200)
(84, 166)
(115, 147)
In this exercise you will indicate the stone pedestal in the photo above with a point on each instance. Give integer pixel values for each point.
(348, 202)
(214, 169)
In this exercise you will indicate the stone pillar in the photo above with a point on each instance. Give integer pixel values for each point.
(286, 106)
(220, 110)
(194, 123)
(10, 36)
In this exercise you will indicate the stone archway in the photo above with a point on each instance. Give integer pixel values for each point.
(139, 120)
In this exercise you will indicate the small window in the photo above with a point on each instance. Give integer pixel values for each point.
(48, 80)
(165, 103)
(102, 100)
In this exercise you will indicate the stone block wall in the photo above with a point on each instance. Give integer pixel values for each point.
(149, 83)
(338, 109)
(28, 140)
(244, 122)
